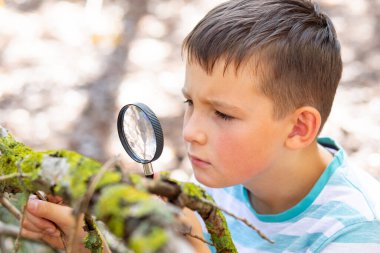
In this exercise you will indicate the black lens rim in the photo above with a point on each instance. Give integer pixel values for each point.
(157, 129)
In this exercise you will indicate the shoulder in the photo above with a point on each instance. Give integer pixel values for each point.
(369, 187)
(345, 216)
(348, 203)
(349, 187)
(355, 190)
(351, 199)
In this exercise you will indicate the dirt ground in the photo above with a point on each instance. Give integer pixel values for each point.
(67, 67)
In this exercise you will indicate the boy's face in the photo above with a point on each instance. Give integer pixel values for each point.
(229, 130)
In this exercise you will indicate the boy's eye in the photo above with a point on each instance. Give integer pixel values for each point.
(189, 102)
(223, 116)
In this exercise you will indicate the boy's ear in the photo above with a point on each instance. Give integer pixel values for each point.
(306, 122)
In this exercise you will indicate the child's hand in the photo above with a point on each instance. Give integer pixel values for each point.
(41, 221)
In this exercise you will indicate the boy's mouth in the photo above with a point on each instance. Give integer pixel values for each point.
(198, 162)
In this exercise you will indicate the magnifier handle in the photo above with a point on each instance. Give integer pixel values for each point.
(148, 170)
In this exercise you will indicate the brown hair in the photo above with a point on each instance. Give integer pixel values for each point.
(291, 41)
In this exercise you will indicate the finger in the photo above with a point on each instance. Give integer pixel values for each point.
(26, 223)
(55, 199)
(49, 232)
(30, 226)
(26, 233)
(50, 198)
(60, 215)
(37, 224)
(156, 176)
(54, 241)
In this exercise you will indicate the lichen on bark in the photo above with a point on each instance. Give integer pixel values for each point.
(125, 203)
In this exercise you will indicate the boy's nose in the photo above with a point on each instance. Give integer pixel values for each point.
(192, 131)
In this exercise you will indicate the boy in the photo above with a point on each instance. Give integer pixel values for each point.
(260, 82)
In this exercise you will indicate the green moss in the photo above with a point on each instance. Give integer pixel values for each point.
(217, 227)
(146, 242)
(119, 203)
(12, 151)
(195, 191)
(81, 169)
(113, 205)
(111, 177)
(15, 158)
(163, 213)
(31, 163)
(116, 226)
(164, 174)
(93, 241)
(118, 193)
(73, 184)
(134, 178)
(220, 237)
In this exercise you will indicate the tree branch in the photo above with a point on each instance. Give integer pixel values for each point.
(10, 207)
(125, 204)
(8, 230)
(142, 221)
(245, 221)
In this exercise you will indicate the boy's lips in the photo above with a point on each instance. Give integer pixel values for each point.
(198, 162)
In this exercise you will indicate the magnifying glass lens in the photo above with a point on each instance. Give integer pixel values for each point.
(139, 133)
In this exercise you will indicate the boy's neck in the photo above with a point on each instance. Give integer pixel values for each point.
(283, 187)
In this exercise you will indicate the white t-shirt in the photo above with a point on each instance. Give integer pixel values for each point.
(340, 214)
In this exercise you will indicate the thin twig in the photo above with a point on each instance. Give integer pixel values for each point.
(11, 208)
(198, 238)
(245, 221)
(17, 242)
(20, 175)
(186, 229)
(188, 233)
(13, 175)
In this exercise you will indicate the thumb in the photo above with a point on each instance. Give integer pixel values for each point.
(60, 215)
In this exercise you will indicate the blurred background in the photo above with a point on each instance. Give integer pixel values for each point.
(67, 67)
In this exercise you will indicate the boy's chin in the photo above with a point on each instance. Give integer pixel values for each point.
(209, 181)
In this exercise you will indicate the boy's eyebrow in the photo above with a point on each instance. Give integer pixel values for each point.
(223, 105)
(216, 103)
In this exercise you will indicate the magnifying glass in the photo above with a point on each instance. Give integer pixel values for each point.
(140, 134)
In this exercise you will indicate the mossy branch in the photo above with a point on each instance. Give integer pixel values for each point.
(124, 203)
(142, 221)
